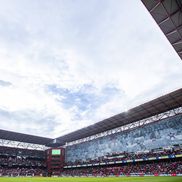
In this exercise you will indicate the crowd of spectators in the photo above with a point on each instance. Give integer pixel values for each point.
(21, 171)
(156, 168)
(21, 162)
(124, 156)
(9, 151)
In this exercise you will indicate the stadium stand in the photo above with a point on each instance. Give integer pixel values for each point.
(152, 168)
(124, 157)
(22, 162)
(152, 149)
(159, 134)
(146, 140)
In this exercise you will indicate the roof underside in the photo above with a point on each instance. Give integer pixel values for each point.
(13, 136)
(162, 104)
(168, 15)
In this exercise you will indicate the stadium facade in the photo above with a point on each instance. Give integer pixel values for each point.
(145, 140)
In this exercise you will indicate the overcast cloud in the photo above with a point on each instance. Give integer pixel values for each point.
(66, 64)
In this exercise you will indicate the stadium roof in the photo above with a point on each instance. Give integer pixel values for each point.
(168, 15)
(162, 104)
(13, 136)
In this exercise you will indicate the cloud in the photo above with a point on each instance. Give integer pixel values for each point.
(85, 97)
(22, 119)
(4, 83)
(65, 65)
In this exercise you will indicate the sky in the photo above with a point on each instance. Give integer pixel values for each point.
(66, 64)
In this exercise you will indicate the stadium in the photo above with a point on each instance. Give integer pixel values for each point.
(143, 143)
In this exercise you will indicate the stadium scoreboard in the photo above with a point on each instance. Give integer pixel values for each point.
(56, 152)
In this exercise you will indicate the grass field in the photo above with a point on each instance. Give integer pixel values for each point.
(114, 179)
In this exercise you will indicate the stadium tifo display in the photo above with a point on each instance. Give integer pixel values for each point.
(160, 134)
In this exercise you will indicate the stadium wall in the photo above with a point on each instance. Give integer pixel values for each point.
(163, 133)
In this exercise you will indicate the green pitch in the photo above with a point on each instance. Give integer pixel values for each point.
(113, 179)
